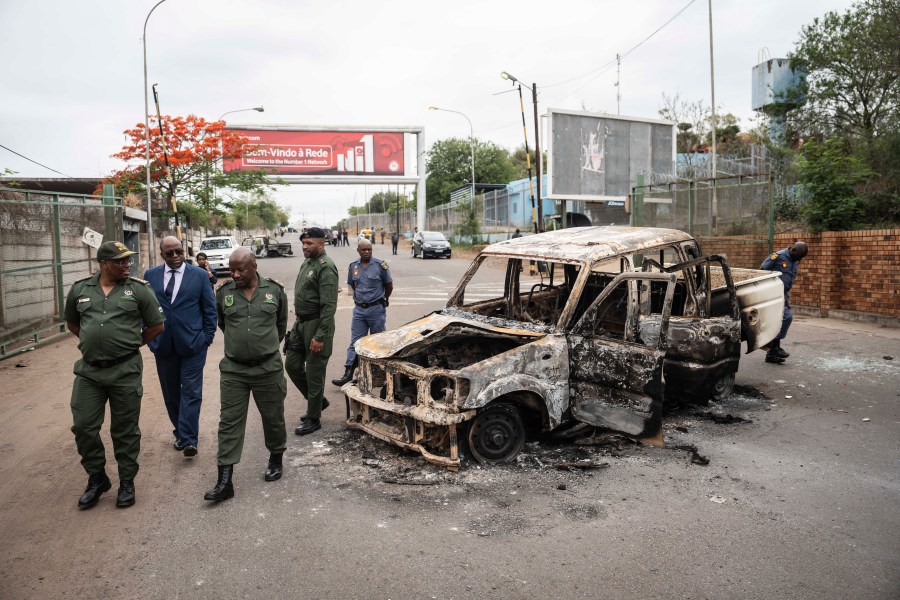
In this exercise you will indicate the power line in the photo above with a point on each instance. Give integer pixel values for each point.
(35, 162)
(607, 66)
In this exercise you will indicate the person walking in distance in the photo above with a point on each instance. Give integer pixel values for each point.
(203, 263)
(309, 344)
(187, 300)
(372, 285)
(395, 239)
(785, 262)
(253, 315)
(112, 315)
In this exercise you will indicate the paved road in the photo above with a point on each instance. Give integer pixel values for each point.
(800, 502)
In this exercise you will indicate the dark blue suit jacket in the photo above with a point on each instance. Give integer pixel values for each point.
(191, 319)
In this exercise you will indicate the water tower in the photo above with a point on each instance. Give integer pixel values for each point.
(778, 88)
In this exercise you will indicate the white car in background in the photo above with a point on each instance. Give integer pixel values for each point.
(218, 250)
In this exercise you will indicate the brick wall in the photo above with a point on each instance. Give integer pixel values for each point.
(856, 271)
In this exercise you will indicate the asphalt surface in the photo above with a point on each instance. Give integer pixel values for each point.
(799, 499)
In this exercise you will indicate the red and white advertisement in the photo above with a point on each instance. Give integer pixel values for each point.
(320, 152)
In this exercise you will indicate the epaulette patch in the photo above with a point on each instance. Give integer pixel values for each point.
(384, 265)
(774, 256)
(144, 281)
(276, 282)
(83, 279)
(321, 261)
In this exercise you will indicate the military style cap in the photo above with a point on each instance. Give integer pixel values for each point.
(313, 232)
(113, 251)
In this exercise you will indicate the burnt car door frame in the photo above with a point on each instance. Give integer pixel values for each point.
(618, 383)
(704, 350)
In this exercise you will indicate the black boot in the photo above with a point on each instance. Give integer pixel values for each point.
(347, 376)
(772, 357)
(98, 483)
(126, 493)
(308, 426)
(224, 489)
(305, 416)
(778, 350)
(273, 471)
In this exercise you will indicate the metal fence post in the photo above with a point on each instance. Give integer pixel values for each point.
(771, 213)
(692, 191)
(57, 262)
(637, 211)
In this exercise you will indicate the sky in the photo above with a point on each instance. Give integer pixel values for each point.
(72, 78)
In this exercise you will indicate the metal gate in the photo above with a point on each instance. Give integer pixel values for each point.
(42, 253)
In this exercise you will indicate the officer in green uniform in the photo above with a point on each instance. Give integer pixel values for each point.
(253, 314)
(106, 312)
(308, 346)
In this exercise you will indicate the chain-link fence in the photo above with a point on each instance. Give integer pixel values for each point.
(386, 222)
(730, 206)
(42, 253)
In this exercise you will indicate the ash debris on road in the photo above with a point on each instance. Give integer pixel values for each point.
(558, 463)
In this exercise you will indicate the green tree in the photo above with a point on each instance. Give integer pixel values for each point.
(449, 165)
(520, 165)
(853, 64)
(829, 176)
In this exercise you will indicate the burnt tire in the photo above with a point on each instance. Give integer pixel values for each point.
(723, 387)
(496, 434)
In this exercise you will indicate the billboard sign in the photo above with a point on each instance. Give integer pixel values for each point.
(596, 156)
(340, 153)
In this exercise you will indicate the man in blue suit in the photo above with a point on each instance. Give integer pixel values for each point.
(188, 302)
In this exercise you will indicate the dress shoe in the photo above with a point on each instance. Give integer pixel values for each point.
(179, 445)
(273, 470)
(224, 488)
(126, 493)
(345, 378)
(308, 426)
(190, 451)
(98, 483)
(325, 404)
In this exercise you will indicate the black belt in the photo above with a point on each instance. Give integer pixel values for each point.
(105, 364)
(253, 363)
(368, 304)
(309, 317)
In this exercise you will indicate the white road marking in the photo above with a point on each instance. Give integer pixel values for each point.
(437, 279)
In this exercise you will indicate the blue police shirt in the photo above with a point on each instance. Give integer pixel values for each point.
(369, 281)
(782, 262)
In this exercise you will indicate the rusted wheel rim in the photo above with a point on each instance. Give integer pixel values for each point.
(496, 434)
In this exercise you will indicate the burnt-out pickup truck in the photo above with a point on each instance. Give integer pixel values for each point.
(599, 325)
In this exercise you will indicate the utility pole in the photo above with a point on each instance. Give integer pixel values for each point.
(618, 85)
(712, 83)
(538, 158)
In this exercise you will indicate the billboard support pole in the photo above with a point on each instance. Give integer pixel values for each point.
(538, 159)
(420, 186)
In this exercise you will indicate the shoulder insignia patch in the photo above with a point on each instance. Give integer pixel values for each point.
(276, 282)
(384, 265)
(144, 281)
(774, 256)
(229, 300)
(321, 261)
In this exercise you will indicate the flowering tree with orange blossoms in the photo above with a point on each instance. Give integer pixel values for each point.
(194, 146)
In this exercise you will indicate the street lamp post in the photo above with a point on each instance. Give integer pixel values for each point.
(471, 140)
(147, 132)
(537, 145)
(257, 109)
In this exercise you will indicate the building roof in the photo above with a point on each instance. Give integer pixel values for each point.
(586, 244)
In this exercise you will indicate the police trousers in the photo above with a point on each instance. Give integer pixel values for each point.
(269, 391)
(365, 321)
(121, 386)
(305, 368)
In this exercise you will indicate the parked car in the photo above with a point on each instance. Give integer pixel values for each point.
(264, 246)
(614, 322)
(218, 250)
(430, 243)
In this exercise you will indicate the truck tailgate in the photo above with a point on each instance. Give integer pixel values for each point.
(760, 295)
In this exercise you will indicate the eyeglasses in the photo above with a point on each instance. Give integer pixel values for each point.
(122, 262)
(175, 252)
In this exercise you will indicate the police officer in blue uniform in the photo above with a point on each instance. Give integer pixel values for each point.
(372, 285)
(785, 262)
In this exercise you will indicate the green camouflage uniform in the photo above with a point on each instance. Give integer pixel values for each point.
(253, 332)
(110, 332)
(315, 301)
